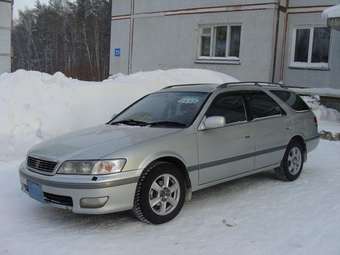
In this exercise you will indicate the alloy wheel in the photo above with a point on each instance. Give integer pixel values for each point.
(294, 160)
(164, 194)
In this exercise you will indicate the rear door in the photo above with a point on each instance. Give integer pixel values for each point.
(271, 128)
(227, 151)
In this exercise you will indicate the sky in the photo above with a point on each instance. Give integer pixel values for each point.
(22, 4)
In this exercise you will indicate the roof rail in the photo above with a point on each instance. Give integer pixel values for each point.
(251, 83)
(189, 84)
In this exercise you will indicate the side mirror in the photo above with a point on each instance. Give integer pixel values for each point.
(213, 122)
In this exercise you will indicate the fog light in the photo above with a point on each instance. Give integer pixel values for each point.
(93, 202)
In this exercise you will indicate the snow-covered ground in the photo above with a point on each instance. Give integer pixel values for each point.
(253, 215)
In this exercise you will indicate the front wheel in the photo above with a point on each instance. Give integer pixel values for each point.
(292, 163)
(160, 193)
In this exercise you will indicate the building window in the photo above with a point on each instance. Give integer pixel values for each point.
(220, 42)
(311, 47)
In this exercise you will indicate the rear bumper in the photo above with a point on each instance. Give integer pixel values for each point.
(81, 194)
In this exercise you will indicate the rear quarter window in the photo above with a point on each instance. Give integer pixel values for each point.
(292, 99)
(261, 105)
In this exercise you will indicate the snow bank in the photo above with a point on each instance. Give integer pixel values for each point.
(328, 119)
(35, 106)
(322, 112)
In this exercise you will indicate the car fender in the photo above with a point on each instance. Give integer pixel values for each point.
(152, 157)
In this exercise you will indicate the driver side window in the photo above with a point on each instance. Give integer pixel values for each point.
(231, 107)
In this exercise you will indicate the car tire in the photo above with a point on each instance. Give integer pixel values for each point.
(160, 193)
(292, 162)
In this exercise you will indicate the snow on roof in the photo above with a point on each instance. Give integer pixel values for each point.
(331, 12)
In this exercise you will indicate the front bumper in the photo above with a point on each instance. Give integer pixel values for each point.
(109, 194)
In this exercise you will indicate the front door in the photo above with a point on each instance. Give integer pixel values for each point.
(227, 151)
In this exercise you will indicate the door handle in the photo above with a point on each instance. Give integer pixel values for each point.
(247, 137)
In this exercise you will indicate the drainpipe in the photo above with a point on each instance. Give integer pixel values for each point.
(276, 39)
(11, 36)
(285, 32)
(131, 36)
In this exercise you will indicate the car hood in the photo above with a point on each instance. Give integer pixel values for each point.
(97, 142)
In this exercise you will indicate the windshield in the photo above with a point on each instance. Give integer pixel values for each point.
(176, 109)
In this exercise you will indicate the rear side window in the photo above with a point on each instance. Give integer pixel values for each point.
(231, 107)
(292, 99)
(261, 105)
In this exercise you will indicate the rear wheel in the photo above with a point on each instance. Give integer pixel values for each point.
(292, 162)
(160, 193)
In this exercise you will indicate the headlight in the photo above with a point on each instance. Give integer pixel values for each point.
(100, 167)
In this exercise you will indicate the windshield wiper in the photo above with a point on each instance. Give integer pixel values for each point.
(130, 122)
(167, 123)
(133, 122)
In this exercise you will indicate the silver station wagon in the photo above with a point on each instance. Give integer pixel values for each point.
(155, 153)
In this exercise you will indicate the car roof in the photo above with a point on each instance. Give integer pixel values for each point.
(211, 87)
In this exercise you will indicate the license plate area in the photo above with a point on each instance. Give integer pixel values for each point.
(35, 191)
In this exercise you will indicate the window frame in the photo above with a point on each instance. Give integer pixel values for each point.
(309, 64)
(249, 113)
(272, 91)
(212, 58)
(241, 95)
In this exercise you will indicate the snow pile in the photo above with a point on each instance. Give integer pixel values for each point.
(329, 119)
(331, 12)
(322, 112)
(35, 106)
(173, 76)
(328, 135)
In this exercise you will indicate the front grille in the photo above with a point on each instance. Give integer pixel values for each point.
(60, 200)
(41, 165)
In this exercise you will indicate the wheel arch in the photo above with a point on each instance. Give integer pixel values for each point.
(180, 164)
(301, 140)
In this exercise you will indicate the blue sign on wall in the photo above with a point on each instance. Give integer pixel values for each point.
(117, 52)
